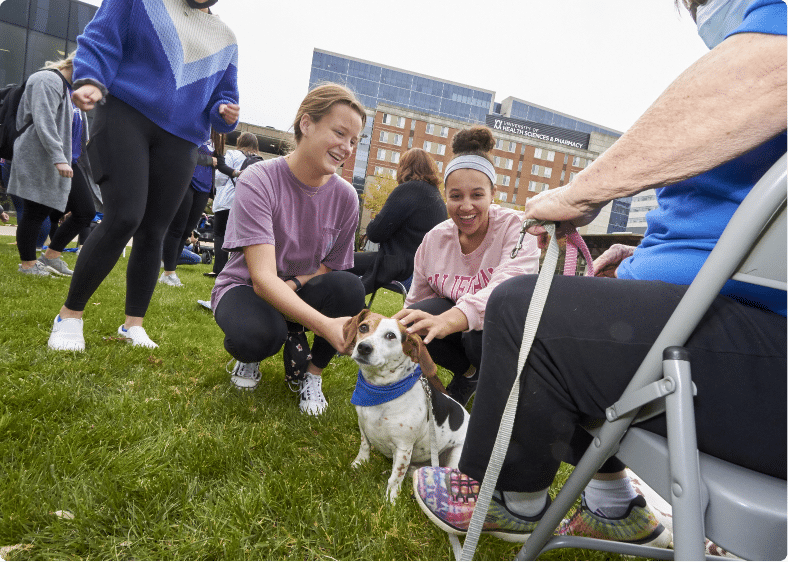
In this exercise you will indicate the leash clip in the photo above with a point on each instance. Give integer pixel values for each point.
(527, 223)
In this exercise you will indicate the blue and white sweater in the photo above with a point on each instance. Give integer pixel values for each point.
(174, 64)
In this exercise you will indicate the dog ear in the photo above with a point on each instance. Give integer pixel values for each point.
(417, 351)
(350, 331)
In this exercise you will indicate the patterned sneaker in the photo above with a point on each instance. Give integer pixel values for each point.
(312, 400)
(137, 335)
(448, 497)
(462, 388)
(245, 376)
(38, 269)
(638, 525)
(67, 335)
(171, 279)
(55, 265)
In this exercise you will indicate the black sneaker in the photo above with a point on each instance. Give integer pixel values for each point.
(463, 388)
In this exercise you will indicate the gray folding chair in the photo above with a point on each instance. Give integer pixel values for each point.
(741, 510)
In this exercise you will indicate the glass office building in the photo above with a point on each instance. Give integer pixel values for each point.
(374, 83)
(519, 109)
(35, 31)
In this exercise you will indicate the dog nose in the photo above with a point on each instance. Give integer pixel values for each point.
(364, 348)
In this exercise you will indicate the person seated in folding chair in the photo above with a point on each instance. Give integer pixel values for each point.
(462, 259)
(703, 144)
(413, 209)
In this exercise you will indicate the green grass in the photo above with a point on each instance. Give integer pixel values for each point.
(157, 457)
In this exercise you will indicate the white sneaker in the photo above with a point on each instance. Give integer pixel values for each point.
(137, 335)
(38, 269)
(67, 335)
(245, 376)
(205, 304)
(312, 400)
(171, 279)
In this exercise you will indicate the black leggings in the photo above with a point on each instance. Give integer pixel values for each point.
(80, 204)
(143, 172)
(254, 330)
(592, 336)
(219, 228)
(182, 225)
(458, 351)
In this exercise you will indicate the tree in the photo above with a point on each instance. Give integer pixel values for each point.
(376, 193)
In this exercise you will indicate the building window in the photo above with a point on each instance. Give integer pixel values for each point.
(548, 172)
(12, 52)
(440, 166)
(430, 130)
(503, 180)
(576, 161)
(502, 196)
(435, 148)
(393, 120)
(572, 176)
(384, 172)
(444, 132)
(532, 186)
(390, 138)
(550, 155)
(538, 153)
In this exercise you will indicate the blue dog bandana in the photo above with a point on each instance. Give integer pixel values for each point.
(366, 394)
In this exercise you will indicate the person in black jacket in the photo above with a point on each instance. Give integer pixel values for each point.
(414, 208)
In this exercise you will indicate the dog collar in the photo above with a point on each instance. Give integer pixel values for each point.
(366, 394)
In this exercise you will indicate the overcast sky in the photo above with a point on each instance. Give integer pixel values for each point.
(604, 61)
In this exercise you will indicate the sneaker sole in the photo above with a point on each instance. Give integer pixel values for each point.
(235, 380)
(54, 271)
(70, 346)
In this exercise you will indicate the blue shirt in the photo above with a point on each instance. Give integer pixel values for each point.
(692, 214)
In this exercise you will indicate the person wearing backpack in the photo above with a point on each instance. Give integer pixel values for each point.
(44, 172)
(238, 159)
(162, 73)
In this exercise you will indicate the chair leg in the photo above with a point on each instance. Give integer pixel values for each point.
(686, 491)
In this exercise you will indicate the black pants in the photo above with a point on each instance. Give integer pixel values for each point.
(458, 351)
(219, 228)
(143, 172)
(183, 224)
(254, 330)
(593, 335)
(80, 205)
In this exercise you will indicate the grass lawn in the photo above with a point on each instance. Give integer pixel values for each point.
(157, 457)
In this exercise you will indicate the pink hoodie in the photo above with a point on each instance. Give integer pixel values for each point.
(442, 270)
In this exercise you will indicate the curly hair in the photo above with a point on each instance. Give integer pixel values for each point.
(417, 164)
(477, 140)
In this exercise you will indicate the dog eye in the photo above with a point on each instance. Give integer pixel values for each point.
(363, 328)
(390, 336)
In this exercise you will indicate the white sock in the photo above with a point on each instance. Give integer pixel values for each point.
(610, 498)
(528, 504)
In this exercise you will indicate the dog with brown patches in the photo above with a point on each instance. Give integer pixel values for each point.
(392, 403)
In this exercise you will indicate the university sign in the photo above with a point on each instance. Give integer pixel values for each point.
(538, 131)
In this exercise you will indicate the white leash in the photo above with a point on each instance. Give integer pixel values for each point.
(535, 309)
(435, 460)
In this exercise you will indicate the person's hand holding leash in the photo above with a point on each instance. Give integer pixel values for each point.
(559, 205)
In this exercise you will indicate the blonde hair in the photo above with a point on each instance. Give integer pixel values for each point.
(318, 103)
(61, 64)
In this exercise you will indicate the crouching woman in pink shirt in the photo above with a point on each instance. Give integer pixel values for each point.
(461, 260)
(290, 231)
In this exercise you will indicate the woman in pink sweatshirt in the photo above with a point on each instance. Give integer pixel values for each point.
(462, 259)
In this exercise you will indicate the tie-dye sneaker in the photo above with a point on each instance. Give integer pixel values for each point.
(448, 497)
(638, 525)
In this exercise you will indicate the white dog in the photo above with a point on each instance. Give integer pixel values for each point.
(392, 403)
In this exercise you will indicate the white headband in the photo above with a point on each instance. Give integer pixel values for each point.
(473, 162)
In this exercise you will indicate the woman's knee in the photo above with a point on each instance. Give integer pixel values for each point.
(249, 347)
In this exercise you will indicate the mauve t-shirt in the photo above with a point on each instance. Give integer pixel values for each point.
(307, 225)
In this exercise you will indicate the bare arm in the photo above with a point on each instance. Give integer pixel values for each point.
(261, 260)
(727, 103)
